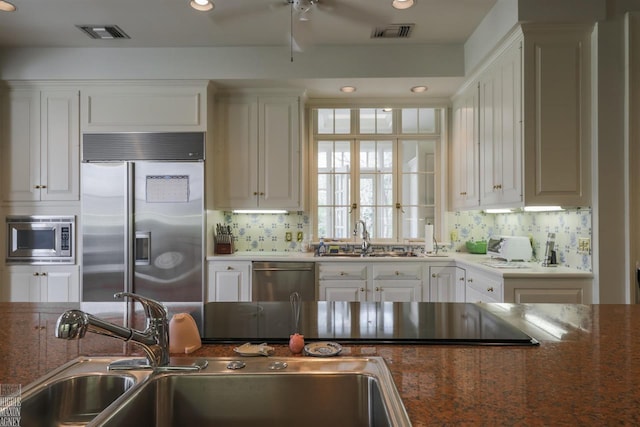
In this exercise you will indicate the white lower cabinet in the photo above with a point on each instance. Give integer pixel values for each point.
(483, 287)
(374, 282)
(446, 284)
(32, 283)
(229, 281)
(397, 282)
(342, 281)
(548, 290)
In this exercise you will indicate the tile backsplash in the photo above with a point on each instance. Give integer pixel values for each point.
(268, 232)
(569, 226)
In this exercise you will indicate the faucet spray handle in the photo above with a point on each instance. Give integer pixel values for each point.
(152, 308)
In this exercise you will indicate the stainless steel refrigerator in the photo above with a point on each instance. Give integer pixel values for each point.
(142, 222)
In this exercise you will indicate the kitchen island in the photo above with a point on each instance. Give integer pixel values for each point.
(583, 372)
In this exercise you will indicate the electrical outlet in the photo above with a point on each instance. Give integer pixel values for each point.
(287, 236)
(453, 235)
(300, 236)
(584, 245)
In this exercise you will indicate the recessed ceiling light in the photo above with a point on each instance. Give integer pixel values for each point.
(419, 89)
(402, 4)
(5, 6)
(202, 5)
(347, 89)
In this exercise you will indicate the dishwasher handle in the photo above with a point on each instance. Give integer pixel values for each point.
(282, 269)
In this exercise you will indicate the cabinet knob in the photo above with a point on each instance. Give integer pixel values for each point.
(397, 273)
(434, 275)
(36, 274)
(43, 186)
(361, 289)
(37, 187)
(490, 289)
(262, 193)
(229, 267)
(342, 273)
(255, 193)
(43, 274)
(461, 279)
(378, 289)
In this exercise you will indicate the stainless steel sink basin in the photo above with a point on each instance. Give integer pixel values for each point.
(255, 400)
(74, 400)
(353, 391)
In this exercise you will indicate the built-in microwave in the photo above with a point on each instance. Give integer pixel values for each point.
(40, 239)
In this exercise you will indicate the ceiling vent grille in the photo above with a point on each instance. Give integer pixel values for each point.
(104, 32)
(393, 31)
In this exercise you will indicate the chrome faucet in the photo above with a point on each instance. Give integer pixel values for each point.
(154, 340)
(366, 245)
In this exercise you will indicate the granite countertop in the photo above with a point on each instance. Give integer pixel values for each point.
(584, 371)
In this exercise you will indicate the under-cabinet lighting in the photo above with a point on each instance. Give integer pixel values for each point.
(542, 208)
(419, 89)
(497, 211)
(259, 211)
(348, 89)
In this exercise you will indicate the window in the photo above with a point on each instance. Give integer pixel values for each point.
(380, 165)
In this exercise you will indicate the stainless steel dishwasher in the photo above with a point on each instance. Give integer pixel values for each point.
(277, 280)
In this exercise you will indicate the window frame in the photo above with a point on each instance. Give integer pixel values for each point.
(439, 137)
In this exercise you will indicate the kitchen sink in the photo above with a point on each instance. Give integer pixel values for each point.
(371, 255)
(255, 400)
(245, 391)
(74, 400)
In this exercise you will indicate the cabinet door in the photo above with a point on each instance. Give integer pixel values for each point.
(21, 146)
(22, 284)
(237, 154)
(500, 130)
(343, 290)
(464, 151)
(445, 284)
(397, 291)
(229, 281)
(279, 152)
(557, 114)
(60, 145)
(60, 284)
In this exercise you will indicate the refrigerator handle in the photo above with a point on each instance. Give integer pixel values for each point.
(142, 248)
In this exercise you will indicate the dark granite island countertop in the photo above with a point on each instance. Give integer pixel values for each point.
(584, 372)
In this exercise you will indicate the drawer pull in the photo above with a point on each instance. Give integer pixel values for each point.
(229, 267)
(470, 280)
(397, 273)
(342, 273)
(490, 289)
(461, 279)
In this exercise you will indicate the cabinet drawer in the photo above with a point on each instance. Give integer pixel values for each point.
(405, 271)
(342, 271)
(487, 285)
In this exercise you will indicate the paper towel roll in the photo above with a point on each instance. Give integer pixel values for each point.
(428, 238)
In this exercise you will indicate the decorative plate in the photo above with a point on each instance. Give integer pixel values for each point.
(323, 349)
(249, 349)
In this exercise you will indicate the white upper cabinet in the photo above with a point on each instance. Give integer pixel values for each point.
(557, 114)
(464, 151)
(501, 130)
(532, 121)
(40, 148)
(258, 152)
(145, 106)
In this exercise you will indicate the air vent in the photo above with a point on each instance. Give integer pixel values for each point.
(393, 31)
(104, 32)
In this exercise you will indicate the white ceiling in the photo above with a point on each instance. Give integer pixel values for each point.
(234, 23)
